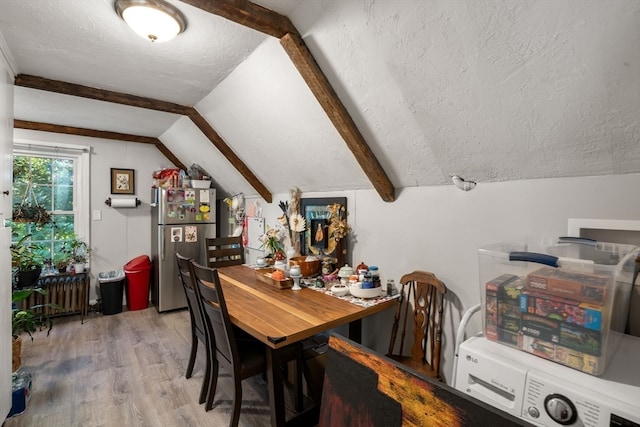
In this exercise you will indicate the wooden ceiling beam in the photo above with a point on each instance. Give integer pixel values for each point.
(271, 23)
(57, 86)
(92, 133)
(138, 101)
(247, 14)
(216, 140)
(310, 71)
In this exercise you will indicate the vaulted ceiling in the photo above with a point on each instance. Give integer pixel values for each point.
(488, 90)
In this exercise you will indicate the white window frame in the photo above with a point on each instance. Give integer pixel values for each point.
(81, 155)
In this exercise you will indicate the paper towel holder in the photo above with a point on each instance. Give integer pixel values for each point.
(108, 202)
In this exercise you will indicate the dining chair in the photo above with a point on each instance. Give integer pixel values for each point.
(224, 251)
(422, 296)
(239, 353)
(198, 334)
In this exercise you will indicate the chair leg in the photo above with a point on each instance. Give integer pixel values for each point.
(192, 356)
(298, 385)
(206, 381)
(213, 382)
(237, 402)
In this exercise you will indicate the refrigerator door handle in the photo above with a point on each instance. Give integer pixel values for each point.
(163, 246)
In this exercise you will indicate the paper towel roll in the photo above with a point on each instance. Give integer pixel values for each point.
(123, 203)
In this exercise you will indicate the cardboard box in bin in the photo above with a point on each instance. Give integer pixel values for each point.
(584, 314)
(592, 275)
(569, 284)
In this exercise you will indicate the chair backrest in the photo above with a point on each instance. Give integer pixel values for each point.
(423, 297)
(224, 251)
(185, 270)
(216, 317)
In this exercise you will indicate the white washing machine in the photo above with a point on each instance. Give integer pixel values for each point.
(547, 394)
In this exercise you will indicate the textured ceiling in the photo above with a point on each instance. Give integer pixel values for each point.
(488, 90)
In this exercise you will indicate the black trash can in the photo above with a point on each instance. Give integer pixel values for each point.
(111, 284)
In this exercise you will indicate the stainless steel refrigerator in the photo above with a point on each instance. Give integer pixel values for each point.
(182, 218)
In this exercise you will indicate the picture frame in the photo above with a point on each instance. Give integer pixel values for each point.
(314, 240)
(122, 181)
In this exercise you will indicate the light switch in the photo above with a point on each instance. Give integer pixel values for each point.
(97, 215)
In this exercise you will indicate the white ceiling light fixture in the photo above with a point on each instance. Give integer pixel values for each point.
(154, 20)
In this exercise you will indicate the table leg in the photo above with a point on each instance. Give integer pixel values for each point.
(355, 331)
(276, 387)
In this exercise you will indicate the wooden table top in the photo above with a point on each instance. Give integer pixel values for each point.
(279, 317)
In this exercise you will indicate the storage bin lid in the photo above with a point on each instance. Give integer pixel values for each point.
(141, 262)
(110, 276)
(573, 253)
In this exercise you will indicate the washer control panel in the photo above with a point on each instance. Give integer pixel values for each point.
(548, 402)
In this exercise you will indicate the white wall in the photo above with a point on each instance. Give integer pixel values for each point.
(121, 234)
(439, 229)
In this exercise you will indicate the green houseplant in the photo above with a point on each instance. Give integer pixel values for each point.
(78, 252)
(27, 321)
(26, 259)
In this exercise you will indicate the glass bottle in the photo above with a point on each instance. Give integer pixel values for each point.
(391, 287)
(375, 276)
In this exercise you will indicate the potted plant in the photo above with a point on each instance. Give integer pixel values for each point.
(78, 252)
(61, 261)
(26, 321)
(27, 260)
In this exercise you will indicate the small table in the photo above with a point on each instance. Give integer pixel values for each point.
(279, 317)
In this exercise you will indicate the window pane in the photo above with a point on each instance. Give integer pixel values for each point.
(64, 227)
(19, 229)
(43, 196)
(41, 233)
(63, 172)
(20, 170)
(63, 198)
(18, 192)
(41, 170)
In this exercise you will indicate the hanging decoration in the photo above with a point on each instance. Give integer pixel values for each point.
(29, 210)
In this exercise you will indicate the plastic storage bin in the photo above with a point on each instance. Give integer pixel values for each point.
(111, 285)
(557, 298)
(138, 272)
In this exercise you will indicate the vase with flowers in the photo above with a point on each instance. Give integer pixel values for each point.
(272, 243)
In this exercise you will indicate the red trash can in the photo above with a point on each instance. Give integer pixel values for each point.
(138, 272)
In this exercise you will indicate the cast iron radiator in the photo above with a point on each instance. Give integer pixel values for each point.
(69, 291)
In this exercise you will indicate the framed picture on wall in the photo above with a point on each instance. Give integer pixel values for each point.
(316, 239)
(122, 181)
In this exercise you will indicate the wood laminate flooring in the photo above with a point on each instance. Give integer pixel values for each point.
(127, 369)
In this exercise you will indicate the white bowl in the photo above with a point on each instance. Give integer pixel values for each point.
(365, 293)
(339, 290)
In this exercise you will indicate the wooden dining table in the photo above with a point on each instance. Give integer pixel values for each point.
(280, 317)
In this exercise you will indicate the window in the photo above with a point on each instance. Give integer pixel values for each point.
(56, 179)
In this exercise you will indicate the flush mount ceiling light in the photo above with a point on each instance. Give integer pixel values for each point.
(154, 20)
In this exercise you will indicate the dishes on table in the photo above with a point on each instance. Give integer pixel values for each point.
(339, 290)
(308, 266)
(356, 291)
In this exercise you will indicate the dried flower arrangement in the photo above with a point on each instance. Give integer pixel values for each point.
(292, 220)
(338, 222)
